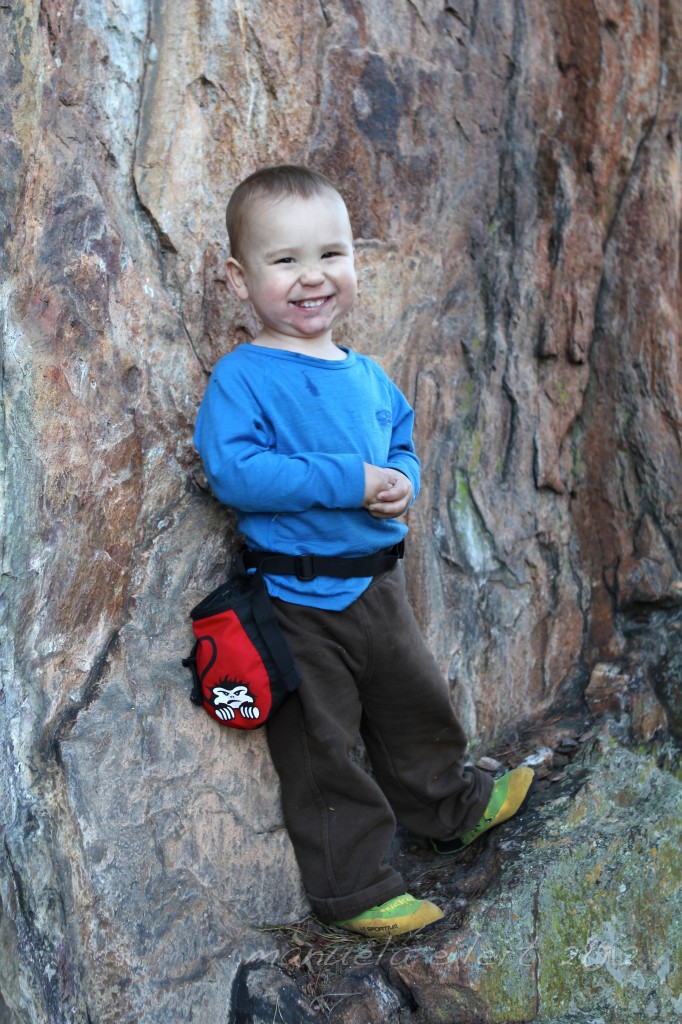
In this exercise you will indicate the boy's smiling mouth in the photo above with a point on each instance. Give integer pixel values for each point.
(310, 303)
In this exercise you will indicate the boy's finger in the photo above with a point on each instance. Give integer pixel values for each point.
(393, 493)
(387, 510)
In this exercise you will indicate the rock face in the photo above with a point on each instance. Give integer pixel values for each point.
(513, 176)
(557, 926)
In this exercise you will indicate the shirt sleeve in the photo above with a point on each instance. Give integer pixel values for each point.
(236, 446)
(402, 455)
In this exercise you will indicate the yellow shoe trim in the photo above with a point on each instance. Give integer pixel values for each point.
(508, 795)
(399, 916)
(520, 780)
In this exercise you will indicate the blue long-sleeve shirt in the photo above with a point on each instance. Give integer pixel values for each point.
(283, 438)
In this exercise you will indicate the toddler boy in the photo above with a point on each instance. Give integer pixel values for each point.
(311, 443)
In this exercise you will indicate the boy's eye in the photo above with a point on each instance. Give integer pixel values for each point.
(285, 259)
(328, 255)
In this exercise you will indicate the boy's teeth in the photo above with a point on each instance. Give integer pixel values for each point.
(310, 303)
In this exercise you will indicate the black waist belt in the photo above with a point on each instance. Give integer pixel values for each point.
(307, 567)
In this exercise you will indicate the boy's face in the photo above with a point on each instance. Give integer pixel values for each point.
(297, 271)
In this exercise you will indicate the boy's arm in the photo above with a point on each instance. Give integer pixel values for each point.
(235, 446)
(402, 455)
(389, 492)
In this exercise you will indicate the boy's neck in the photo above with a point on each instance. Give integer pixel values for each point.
(319, 348)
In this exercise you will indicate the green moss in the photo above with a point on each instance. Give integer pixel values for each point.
(476, 451)
(562, 390)
(503, 962)
(469, 529)
(467, 397)
(462, 498)
(674, 979)
(599, 942)
(586, 917)
(571, 909)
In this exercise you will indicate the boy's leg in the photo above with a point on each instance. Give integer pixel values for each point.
(415, 743)
(339, 821)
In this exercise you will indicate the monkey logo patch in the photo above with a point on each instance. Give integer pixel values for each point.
(227, 700)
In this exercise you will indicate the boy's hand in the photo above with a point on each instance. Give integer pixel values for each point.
(388, 492)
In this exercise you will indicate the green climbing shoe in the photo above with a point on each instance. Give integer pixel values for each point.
(509, 795)
(398, 916)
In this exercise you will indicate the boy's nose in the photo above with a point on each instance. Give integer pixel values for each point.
(311, 274)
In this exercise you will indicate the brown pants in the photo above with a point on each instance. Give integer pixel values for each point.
(367, 671)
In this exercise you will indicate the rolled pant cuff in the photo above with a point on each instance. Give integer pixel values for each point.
(343, 907)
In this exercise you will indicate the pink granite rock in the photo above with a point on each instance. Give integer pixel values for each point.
(513, 176)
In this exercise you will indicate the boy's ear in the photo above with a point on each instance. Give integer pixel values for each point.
(237, 278)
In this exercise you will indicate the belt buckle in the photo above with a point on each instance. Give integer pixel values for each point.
(305, 568)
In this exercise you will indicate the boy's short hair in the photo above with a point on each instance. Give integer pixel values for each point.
(277, 182)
